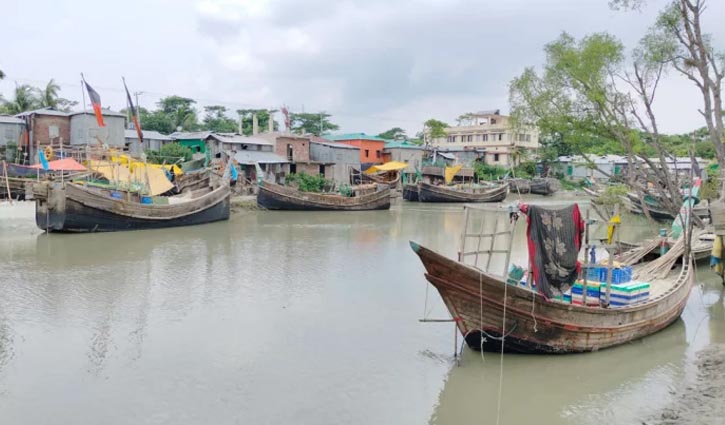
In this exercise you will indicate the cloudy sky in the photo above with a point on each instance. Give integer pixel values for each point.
(373, 64)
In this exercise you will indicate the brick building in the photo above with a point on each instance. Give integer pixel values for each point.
(44, 127)
(371, 147)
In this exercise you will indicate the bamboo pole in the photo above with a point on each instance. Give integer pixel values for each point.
(586, 260)
(463, 234)
(7, 182)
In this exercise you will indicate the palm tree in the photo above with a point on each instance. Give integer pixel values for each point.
(25, 100)
(2, 74)
(48, 97)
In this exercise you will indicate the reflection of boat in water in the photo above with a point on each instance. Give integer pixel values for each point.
(433, 193)
(589, 388)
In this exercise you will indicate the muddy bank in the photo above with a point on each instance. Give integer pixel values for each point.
(244, 203)
(701, 400)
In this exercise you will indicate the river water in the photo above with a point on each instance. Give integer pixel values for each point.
(285, 317)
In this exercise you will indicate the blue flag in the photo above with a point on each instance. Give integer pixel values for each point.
(234, 172)
(41, 156)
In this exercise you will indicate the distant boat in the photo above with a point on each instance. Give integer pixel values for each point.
(432, 193)
(76, 208)
(273, 196)
(411, 192)
(544, 186)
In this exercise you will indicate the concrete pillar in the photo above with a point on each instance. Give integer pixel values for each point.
(241, 126)
(255, 124)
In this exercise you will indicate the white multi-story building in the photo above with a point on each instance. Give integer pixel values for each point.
(492, 132)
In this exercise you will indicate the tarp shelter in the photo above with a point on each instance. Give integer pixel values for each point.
(451, 172)
(65, 164)
(137, 177)
(388, 166)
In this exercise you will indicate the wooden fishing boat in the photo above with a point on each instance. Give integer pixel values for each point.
(432, 193)
(72, 207)
(367, 197)
(192, 180)
(476, 300)
(521, 186)
(544, 186)
(410, 192)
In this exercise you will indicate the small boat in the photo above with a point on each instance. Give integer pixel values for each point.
(410, 192)
(544, 186)
(76, 208)
(433, 193)
(477, 299)
(273, 196)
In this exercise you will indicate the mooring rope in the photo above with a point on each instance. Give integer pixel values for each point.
(503, 342)
(533, 303)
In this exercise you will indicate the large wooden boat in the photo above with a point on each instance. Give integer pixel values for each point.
(518, 185)
(544, 186)
(277, 197)
(476, 301)
(410, 192)
(73, 207)
(433, 193)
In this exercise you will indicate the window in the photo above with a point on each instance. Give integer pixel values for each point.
(528, 137)
(290, 152)
(495, 157)
(377, 154)
(485, 137)
(367, 153)
(500, 136)
(493, 120)
(470, 138)
(53, 131)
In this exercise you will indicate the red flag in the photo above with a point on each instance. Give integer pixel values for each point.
(96, 102)
(134, 113)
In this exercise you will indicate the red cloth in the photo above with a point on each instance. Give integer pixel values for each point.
(66, 164)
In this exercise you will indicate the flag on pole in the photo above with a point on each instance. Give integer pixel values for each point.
(134, 113)
(96, 102)
(43, 160)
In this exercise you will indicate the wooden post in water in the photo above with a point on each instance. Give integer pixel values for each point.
(586, 259)
(7, 182)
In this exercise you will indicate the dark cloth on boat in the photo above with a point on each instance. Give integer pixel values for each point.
(554, 239)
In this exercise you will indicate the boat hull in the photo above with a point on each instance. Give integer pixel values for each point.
(431, 193)
(276, 197)
(410, 192)
(65, 212)
(476, 302)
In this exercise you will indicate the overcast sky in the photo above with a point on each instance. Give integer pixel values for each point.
(373, 64)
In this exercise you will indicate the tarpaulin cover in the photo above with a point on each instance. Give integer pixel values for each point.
(451, 172)
(388, 166)
(139, 175)
(65, 164)
(554, 238)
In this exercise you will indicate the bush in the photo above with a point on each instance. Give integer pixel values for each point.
(611, 195)
(525, 170)
(490, 172)
(169, 154)
(308, 183)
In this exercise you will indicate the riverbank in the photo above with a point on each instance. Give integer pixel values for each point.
(701, 400)
(244, 203)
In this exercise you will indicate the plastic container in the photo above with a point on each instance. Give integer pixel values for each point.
(146, 200)
(116, 195)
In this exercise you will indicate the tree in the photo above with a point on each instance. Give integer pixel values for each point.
(433, 129)
(263, 117)
(170, 153)
(312, 123)
(2, 75)
(678, 41)
(48, 98)
(180, 112)
(393, 133)
(24, 100)
(465, 119)
(216, 119)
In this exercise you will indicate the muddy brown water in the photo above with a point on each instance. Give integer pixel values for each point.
(283, 317)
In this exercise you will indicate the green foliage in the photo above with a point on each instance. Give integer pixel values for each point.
(612, 194)
(465, 119)
(49, 98)
(170, 153)
(179, 111)
(489, 172)
(308, 183)
(25, 99)
(393, 133)
(710, 188)
(263, 117)
(434, 128)
(526, 169)
(216, 119)
(312, 123)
